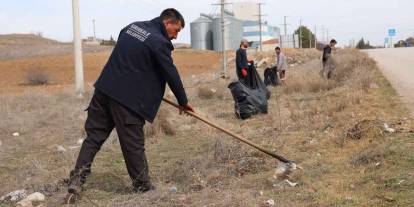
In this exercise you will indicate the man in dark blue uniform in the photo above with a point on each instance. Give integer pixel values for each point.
(241, 60)
(327, 50)
(128, 92)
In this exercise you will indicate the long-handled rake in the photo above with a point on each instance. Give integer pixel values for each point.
(288, 164)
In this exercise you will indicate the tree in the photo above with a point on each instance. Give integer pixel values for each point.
(308, 38)
(362, 45)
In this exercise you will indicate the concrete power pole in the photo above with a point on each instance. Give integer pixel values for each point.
(94, 31)
(315, 40)
(223, 41)
(310, 37)
(300, 33)
(285, 36)
(260, 25)
(285, 25)
(79, 84)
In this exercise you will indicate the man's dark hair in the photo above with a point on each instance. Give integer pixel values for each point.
(277, 48)
(172, 14)
(333, 41)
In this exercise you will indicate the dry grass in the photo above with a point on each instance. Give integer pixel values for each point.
(308, 122)
(37, 77)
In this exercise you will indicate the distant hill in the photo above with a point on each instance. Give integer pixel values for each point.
(25, 39)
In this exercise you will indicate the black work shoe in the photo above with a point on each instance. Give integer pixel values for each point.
(76, 180)
(143, 188)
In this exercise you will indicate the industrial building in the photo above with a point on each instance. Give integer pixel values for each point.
(206, 32)
(241, 23)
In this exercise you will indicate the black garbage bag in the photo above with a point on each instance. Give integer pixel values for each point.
(271, 77)
(250, 96)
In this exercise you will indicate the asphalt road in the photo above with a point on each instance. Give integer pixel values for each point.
(397, 64)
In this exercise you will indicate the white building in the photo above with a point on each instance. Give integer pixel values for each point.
(246, 10)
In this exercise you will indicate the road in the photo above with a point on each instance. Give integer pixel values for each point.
(397, 64)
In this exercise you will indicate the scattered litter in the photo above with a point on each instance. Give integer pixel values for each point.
(281, 170)
(377, 164)
(173, 189)
(291, 183)
(14, 196)
(182, 198)
(60, 148)
(401, 181)
(74, 147)
(80, 141)
(271, 202)
(16, 134)
(261, 193)
(388, 128)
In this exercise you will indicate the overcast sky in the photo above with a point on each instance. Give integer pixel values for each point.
(345, 19)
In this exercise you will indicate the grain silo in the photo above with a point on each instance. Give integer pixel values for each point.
(233, 32)
(202, 33)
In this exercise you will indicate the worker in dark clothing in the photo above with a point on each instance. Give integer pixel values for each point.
(241, 61)
(327, 50)
(128, 92)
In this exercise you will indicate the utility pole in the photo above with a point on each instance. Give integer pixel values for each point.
(260, 25)
(79, 85)
(285, 36)
(327, 35)
(300, 33)
(94, 33)
(315, 40)
(310, 38)
(223, 39)
(285, 25)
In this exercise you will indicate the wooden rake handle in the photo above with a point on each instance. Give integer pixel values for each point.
(280, 158)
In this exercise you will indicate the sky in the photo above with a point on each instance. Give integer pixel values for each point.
(346, 20)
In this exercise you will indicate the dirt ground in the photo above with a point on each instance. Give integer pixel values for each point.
(60, 69)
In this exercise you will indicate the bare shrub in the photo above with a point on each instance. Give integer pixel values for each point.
(369, 155)
(37, 77)
(366, 129)
(161, 125)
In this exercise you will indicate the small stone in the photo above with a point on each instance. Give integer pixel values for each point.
(16, 134)
(270, 202)
(24, 203)
(60, 148)
(35, 197)
(173, 189)
(80, 141)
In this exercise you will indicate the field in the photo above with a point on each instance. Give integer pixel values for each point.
(333, 129)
